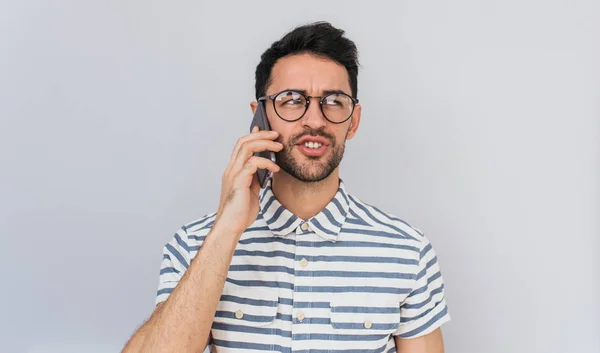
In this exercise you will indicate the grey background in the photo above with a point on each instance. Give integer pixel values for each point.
(480, 126)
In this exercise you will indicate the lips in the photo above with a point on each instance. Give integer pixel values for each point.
(311, 151)
(317, 139)
(313, 146)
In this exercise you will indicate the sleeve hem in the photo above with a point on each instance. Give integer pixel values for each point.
(422, 327)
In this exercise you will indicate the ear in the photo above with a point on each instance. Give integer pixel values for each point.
(253, 106)
(354, 122)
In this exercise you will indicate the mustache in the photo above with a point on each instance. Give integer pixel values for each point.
(294, 140)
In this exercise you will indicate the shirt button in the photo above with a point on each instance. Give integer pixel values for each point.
(368, 324)
(304, 226)
(239, 314)
(304, 262)
(300, 316)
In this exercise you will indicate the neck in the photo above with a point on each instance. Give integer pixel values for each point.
(303, 199)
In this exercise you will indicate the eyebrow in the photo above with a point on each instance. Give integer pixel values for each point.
(325, 92)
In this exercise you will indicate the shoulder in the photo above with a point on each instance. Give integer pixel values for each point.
(192, 234)
(200, 225)
(384, 221)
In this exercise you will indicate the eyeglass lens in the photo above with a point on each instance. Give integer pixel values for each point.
(291, 105)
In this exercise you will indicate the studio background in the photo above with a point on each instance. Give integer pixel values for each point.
(481, 127)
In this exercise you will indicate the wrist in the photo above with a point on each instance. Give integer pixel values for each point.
(224, 233)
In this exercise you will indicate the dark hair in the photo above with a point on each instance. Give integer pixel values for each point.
(320, 39)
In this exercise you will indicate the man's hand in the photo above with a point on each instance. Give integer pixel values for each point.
(430, 343)
(238, 207)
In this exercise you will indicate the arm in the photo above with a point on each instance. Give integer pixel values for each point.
(183, 322)
(430, 343)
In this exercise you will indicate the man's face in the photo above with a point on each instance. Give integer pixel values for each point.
(299, 158)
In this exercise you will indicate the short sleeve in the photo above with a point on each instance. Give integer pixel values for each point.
(175, 261)
(424, 310)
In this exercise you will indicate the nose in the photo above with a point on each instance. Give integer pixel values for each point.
(313, 118)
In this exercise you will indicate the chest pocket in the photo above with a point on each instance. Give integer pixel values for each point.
(253, 307)
(364, 315)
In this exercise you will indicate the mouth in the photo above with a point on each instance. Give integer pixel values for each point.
(313, 146)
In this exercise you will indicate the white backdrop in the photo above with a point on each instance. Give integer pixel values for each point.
(480, 126)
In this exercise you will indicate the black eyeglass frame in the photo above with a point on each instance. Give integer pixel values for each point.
(307, 97)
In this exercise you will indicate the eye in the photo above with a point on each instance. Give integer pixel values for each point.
(334, 101)
(293, 102)
(290, 98)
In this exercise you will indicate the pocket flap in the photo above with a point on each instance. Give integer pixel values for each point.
(254, 307)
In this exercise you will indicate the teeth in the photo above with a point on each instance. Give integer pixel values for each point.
(310, 144)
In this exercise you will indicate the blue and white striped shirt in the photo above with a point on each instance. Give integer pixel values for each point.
(347, 280)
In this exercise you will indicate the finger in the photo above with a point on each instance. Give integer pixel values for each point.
(238, 145)
(255, 135)
(244, 177)
(251, 147)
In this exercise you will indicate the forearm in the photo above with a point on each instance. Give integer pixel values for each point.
(183, 322)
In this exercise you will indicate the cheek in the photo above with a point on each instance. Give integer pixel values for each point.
(283, 130)
(341, 134)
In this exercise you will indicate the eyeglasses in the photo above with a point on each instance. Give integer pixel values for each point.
(337, 106)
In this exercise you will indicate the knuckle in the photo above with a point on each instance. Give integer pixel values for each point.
(244, 148)
(240, 143)
(240, 140)
(249, 163)
(237, 146)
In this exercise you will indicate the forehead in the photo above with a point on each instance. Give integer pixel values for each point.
(310, 73)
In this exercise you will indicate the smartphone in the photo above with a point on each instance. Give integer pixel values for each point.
(260, 120)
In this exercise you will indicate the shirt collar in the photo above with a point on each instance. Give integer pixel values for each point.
(327, 223)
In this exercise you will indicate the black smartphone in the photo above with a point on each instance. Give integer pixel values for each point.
(260, 120)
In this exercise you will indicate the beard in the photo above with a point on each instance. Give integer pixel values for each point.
(315, 169)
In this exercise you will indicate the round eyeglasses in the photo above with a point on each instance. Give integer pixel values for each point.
(336, 106)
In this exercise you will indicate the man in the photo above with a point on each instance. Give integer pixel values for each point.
(300, 265)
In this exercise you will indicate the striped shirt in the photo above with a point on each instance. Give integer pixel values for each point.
(347, 280)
